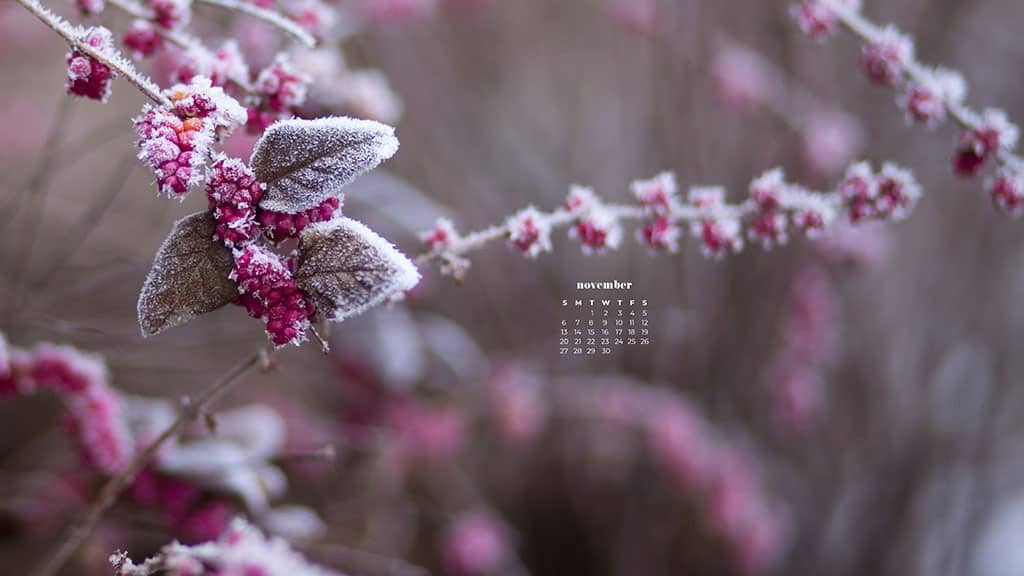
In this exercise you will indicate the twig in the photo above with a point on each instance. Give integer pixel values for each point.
(73, 36)
(560, 218)
(190, 412)
(913, 69)
(268, 16)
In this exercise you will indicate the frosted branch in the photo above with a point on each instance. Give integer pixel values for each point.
(268, 16)
(74, 36)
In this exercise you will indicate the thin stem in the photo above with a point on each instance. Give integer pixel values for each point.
(190, 411)
(560, 218)
(137, 11)
(116, 63)
(918, 73)
(268, 16)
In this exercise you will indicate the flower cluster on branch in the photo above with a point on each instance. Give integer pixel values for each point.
(928, 95)
(773, 211)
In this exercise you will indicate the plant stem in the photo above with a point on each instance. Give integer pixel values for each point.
(190, 411)
(918, 73)
(268, 16)
(116, 63)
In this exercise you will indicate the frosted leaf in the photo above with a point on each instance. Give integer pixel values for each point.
(304, 162)
(346, 268)
(189, 276)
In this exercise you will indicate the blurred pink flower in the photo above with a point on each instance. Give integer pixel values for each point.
(476, 544)
(831, 139)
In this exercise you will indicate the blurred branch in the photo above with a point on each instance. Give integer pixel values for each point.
(191, 410)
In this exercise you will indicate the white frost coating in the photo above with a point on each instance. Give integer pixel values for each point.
(347, 268)
(304, 162)
(294, 523)
(241, 549)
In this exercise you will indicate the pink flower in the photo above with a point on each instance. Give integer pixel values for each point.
(1007, 190)
(979, 144)
(206, 522)
(429, 433)
(233, 193)
(596, 226)
(660, 235)
(171, 14)
(898, 192)
(88, 77)
(283, 85)
(96, 423)
(278, 226)
(529, 232)
(926, 102)
(268, 291)
(142, 39)
(659, 195)
(66, 370)
(742, 78)
(884, 58)
(858, 190)
(441, 236)
(475, 544)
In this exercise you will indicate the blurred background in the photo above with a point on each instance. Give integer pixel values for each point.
(841, 407)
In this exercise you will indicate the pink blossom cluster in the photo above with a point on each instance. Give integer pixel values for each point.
(720, 474)
(94, 412)
(808, 339)
(223, 66)
(476, 543)
(241, 549)
(87, 76)
(773, 211)
(176, 140)
(234, 194)
(183, 505)
(268, 291)
(928, 96)
(142, 39)
(171, 14)
(280, 88)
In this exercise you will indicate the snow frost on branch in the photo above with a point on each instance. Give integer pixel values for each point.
(774, 210)
(928, 95)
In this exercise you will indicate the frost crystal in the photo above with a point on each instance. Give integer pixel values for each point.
(88, 77)
(304, 162)
(529, 232)
(241, 549)
(346, 268)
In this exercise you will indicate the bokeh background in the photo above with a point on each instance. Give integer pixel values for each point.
(895, 449)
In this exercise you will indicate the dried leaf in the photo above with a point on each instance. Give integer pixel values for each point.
(304, 162)
(189, 276)
(346, 268)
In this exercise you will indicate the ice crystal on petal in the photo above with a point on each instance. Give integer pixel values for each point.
(189, 276)
(303, 162)
(346, 268)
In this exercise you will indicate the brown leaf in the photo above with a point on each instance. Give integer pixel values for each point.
(346, 268)
(304, 162)
(189, 276)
